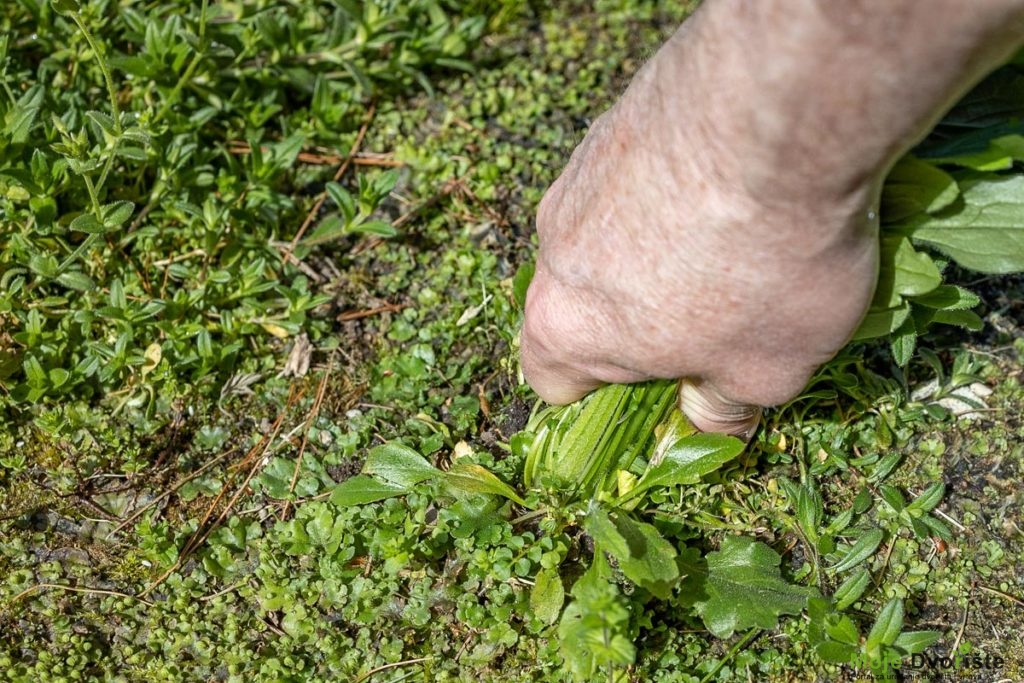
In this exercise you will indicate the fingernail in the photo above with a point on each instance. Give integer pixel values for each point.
(711, 412)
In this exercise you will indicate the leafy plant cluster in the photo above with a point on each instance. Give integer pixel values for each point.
(606, 469)
(959, 198)
(147, 217)
(593, 544)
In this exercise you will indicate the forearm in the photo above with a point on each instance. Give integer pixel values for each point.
(829, 93)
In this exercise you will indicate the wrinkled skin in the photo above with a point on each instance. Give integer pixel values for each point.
(717, 225)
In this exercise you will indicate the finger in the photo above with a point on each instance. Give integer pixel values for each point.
(710, 411)
(546, 348)
(555, 383)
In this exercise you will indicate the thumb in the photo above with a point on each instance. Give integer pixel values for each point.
(710, 411)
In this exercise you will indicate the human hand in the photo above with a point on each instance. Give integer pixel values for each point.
(719, 224)
(666, 250)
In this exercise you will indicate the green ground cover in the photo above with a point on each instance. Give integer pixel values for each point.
(244, 244)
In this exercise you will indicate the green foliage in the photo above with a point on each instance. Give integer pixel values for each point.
(965, 205)
(146, 215)
(594, 630)
(745, 589)
(208, 135)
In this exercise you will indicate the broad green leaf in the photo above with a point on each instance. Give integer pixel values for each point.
(326, 529)
(44, 264)
(969, 320)
(651, 564)
(850, 590)
(65, 6)
(892, 496)
(914, 186)
(842, 629)
(468, 477)
(548, 595)
(863, 548)
(58, 377)
(913, 642)
(998, 156)
(286, 151)
(880, 322)
(378, 228)
(904, 272)
(644, 556)
(903, 342)
(104, 121)
(998, 98)
(598, 524)
(937, 528)
(398, 464)
(809, 509)
(836, 653)
(330, 228)
(364, 489)
(887, 627)
(745, 588)
(690, 458)
(34, 372)
(985, 230)
(22, 115)
(132, 153)
(343, 200)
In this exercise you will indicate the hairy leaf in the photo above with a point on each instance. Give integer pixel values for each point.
(745, 588)
(864, 548)
(887, 627)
